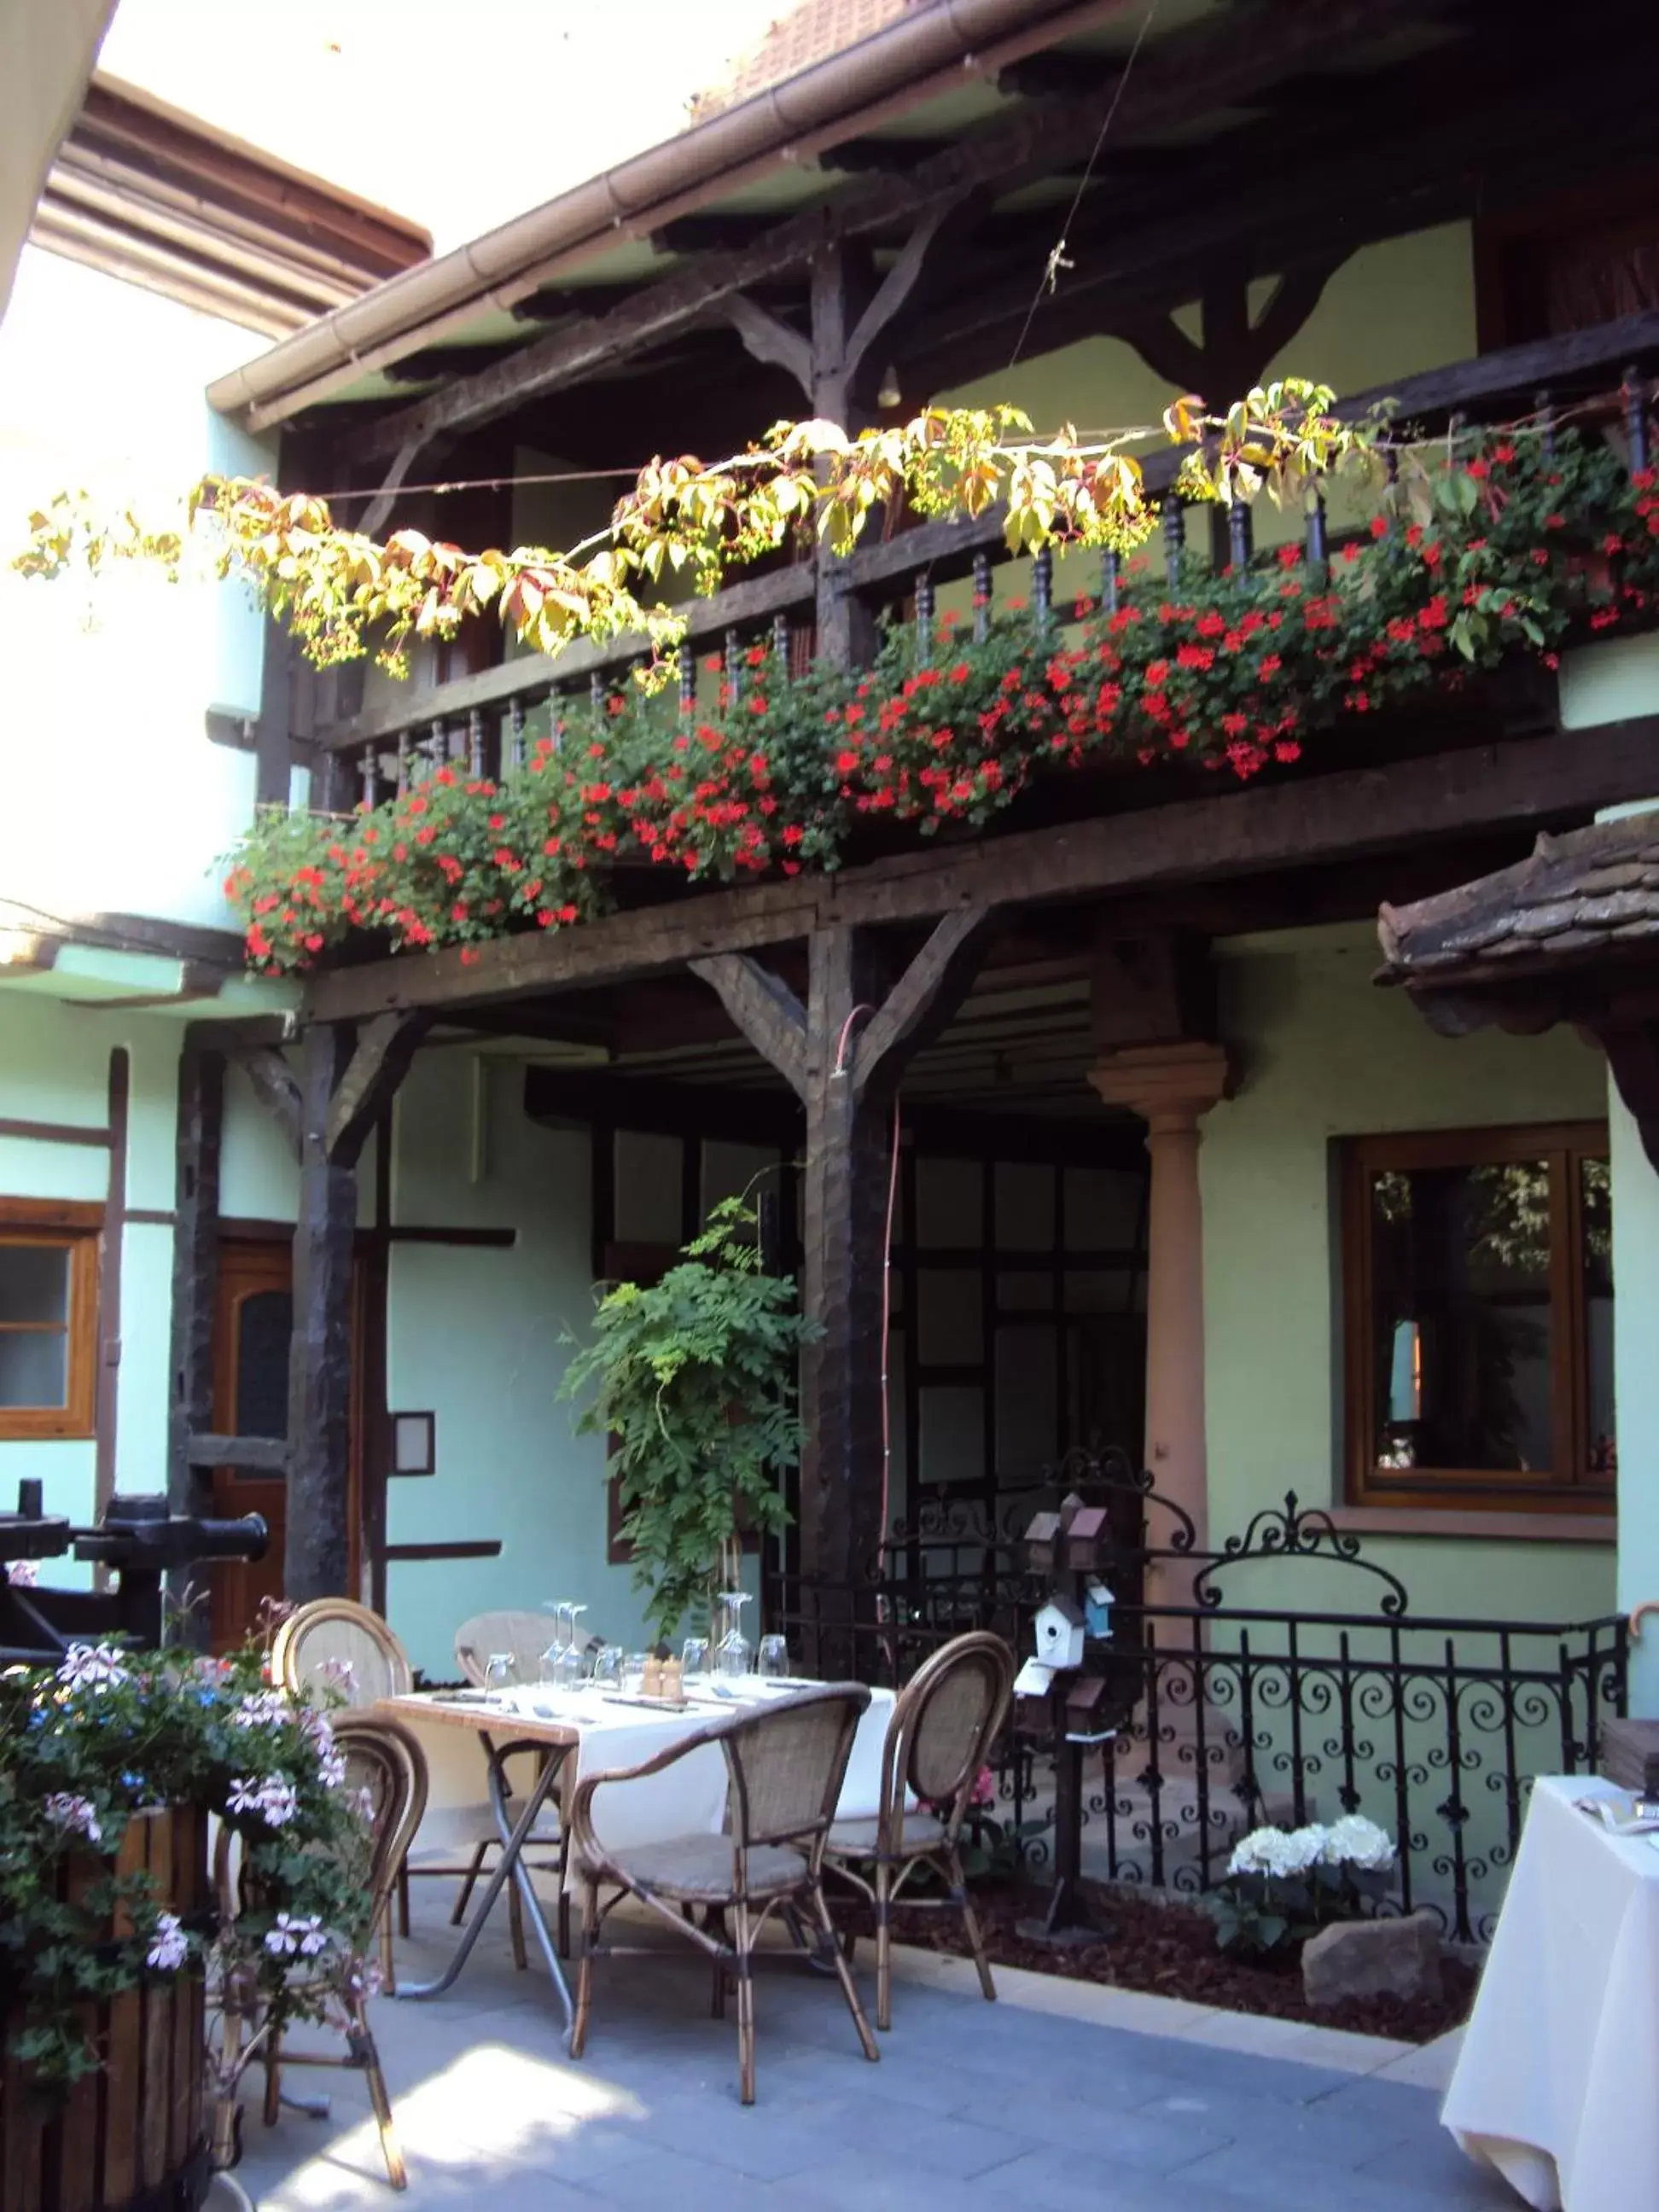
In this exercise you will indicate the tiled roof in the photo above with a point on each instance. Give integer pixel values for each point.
(1576, 896)
(808, 33)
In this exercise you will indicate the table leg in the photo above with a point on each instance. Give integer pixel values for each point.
(514, 1835)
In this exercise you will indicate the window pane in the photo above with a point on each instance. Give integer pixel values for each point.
(1595, 1265)
(35, 1285)
(265, 1329)
(1461, 1323)
(949, 1315)
(949, 1208)
(35, 1368)
(1025, 1207)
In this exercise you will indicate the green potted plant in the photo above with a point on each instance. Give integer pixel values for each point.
(694, 1379)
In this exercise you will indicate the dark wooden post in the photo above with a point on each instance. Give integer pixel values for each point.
(847, 630)
(347, 1078)
(195, 1299)
(844, 1054)
(317, 1559)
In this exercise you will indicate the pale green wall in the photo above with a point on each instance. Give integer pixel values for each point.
(1636, 1334)
(1324, 1053)
(474, 1335)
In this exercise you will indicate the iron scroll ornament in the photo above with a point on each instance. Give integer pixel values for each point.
(1295, 1532)
(1112, 1470)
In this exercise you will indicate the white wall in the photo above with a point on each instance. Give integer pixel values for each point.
(116, 801)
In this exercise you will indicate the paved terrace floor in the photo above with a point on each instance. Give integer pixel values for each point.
(1057, 2095)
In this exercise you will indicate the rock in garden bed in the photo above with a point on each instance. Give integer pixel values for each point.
(1169, 1950)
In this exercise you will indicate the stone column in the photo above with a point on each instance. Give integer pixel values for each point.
(1170, 1087)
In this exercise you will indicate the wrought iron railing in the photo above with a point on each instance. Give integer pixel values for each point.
(486, 722)
(1228, 1714)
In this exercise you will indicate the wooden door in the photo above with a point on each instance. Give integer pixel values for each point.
(252, 1329)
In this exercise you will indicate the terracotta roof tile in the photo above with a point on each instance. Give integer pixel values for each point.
(808, 33)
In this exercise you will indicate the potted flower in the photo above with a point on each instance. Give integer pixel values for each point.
(694, 1380)
(1283, 1885)
(111, 1951)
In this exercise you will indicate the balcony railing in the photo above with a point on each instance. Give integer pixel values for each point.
(485, 721)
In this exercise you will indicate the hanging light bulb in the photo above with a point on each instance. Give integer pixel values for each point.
(889, 394)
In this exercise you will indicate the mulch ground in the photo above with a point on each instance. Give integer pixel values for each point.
(1169, 1950)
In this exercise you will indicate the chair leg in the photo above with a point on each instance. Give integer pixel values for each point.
(395, 2172)
(713, 1921)
(987, 1988)
(388, 1964)
(848, 1987)
(515, 1924)
(403, 1900)
(745, 2005)
(472, 1874)
(883, 1946)
(585, 1970)
(273, 2076)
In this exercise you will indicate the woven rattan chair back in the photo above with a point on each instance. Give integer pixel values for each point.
(525, 1635)
(384, 1761)
(787, 1763)
(333, 1643)
(944, 1722)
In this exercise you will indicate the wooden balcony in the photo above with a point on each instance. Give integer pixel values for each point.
(486, 721)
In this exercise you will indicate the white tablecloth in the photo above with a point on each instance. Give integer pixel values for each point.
(1557, 2082)
(689, 1797)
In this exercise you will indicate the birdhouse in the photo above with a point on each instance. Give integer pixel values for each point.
(1097, 1603)
(1037, 1701)
(1060, 1631)
(1087, 1711)
(1088, 1537)
(1043, 1539)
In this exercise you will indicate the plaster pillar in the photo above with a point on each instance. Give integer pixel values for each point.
(1171, 1087)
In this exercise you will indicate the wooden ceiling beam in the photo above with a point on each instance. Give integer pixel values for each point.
(1215, 63)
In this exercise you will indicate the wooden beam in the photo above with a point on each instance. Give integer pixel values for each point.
(767, 337)
(1221, 61)
(199, 1127)
(764, 1008)
(926, 997)
(317, 1560)
(274, 1086)
(1632, 1050)
(1307, 817)
(254, 1454)
(379, 1063)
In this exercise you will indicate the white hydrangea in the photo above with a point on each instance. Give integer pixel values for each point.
(1357, 1842)
(1275, 1851)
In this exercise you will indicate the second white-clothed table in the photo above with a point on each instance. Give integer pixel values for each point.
(1557, 2085)
(601, 1734)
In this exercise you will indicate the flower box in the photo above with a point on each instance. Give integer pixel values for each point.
(133, 2134)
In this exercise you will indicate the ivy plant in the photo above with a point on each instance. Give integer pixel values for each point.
(694, 1379)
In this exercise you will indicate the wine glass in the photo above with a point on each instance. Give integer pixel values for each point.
(571, 1668)
(608, 1667)
(500, 1672)
(736, 1650)
(693, 1660)
(774, 1658)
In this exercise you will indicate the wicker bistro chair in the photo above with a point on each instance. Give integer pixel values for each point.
(785, 1765)
(944, 1724)
(384, 1760)
(334, 1643)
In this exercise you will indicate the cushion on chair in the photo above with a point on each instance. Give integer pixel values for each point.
(700, 1866)
(860, 1840)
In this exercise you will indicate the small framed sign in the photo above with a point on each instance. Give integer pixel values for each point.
(414, 1443)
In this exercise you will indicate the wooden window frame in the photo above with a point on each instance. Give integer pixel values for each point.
(1565, 1145)
(78, 1229)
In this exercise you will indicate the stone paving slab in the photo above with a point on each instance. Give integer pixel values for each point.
(1088, 2099)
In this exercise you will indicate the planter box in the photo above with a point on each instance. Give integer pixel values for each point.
(134, 2137)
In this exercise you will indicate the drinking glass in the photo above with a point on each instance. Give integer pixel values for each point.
(500, 1671)
(773, 1658)
(549, 1664)
(736, 1650)
(608, 1667)
(693, 1660)
(633, 1673)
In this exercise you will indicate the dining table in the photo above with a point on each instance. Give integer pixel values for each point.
(1557, 2083)
(571, 1734)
